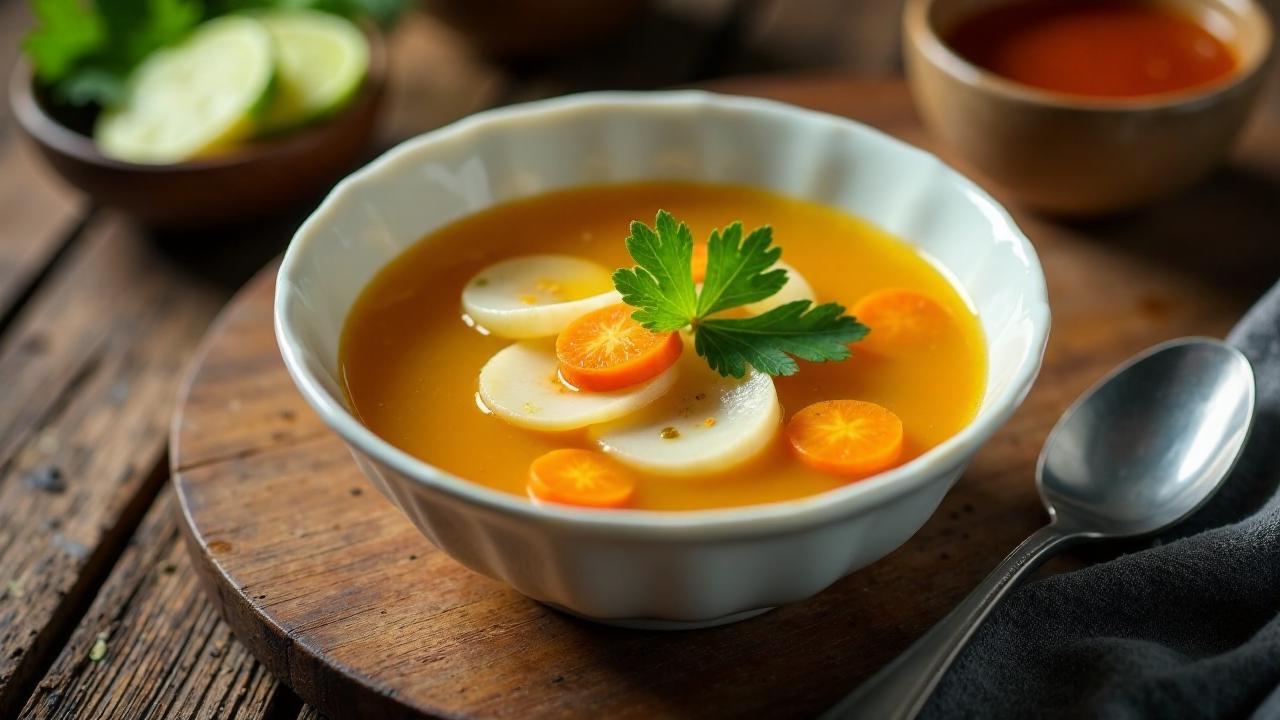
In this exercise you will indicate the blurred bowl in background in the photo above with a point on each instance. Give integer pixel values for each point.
(1079, 155)
(264, 176)
(525, 29)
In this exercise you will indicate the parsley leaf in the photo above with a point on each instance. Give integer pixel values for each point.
(736, 271)
(739, 272)
(820, 333)
(662, 286)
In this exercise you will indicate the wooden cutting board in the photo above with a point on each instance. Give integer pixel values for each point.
(348, 604)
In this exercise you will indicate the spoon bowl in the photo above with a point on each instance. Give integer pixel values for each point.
(1138, 452)
(1149, 443)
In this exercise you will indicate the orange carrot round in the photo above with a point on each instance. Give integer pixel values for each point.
(607, 350)
(579, 477)
(901, 321)
(846, 437)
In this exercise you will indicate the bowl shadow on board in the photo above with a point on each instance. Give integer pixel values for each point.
(1222, 231)
(746, 663)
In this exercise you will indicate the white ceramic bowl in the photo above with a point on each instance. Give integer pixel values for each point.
(640, 567)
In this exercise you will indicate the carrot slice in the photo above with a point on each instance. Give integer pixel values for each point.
(848, 437)
(699, 264)
(901, 321)
(607, 350)
(579, 477)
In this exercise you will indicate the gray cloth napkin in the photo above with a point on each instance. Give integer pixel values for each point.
(1188, 627)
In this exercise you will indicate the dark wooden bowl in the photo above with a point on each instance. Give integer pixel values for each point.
(265, 176)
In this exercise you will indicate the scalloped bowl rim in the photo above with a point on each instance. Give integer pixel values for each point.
(671, 525)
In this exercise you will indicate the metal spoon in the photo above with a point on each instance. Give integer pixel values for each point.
(1137, 453)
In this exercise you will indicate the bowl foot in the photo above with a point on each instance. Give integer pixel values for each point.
(659, 624)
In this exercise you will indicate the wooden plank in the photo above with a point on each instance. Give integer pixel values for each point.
(90, 368)
(38, 218)
(332, 587)
(38, 214)
(93, 385)
(161, 649)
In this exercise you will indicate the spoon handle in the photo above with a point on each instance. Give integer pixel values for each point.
(899, 691)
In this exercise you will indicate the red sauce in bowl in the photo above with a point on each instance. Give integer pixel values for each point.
(1101, 48)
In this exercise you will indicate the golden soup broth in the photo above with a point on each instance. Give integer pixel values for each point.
(410, 364)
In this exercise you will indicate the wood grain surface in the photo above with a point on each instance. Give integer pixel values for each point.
(346, 602)
(100, 319)
(83, 377)
(40, 217)
(178, 664)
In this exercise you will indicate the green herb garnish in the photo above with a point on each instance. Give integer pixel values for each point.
(739, 272)
(83, 50)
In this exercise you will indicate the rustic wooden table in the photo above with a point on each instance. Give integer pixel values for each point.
(101, 614)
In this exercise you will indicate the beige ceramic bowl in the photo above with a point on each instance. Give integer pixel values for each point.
(1078, 155)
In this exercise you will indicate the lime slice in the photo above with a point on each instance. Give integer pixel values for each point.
(322, 61)
(194, 98)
